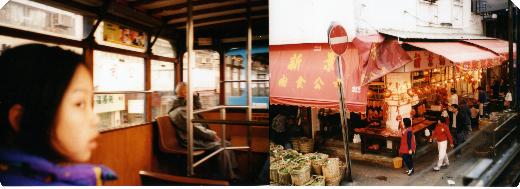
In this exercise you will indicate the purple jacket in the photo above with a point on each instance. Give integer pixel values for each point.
(21, 169)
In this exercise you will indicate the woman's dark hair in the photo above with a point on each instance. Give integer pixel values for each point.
(36, 77)
(407, 122)
(442, 119)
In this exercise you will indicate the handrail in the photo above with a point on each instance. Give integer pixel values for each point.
(231, 122)
(223, 107)
(504, 123)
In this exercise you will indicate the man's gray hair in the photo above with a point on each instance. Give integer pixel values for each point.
(178, 87)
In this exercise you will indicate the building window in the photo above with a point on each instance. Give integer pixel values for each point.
(119, 98)
(205, 78)
(39, 18)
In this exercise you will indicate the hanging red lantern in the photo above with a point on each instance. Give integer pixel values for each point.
(410, 92)
(387, 94)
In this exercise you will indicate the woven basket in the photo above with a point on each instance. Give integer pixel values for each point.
(342, 167)
(295, 142)
(306, 145)
(300, 175)
(273, 171)
(330, 168)
(318, 162)
(334, 181)
(316, 180)
(284, 178)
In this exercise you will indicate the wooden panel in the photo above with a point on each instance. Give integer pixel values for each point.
(126, 151)
(237, 134)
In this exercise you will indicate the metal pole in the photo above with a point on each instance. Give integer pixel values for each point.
(223, 138)
(517, 59)
(348, 175)
(248, 78)
(511, 63)
(189, 96)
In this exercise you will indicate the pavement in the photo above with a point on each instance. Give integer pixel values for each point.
(377, 172)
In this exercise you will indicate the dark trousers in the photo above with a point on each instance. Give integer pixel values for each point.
(408, 162)
(460, 137)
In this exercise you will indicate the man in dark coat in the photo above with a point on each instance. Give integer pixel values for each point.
(203, 137)
(459, 126)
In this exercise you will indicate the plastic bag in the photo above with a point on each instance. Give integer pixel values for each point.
(427, 132)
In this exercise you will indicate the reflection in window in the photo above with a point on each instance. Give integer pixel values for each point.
(115, 72)
(205, 78)
(163, 77)
(40, 18)
(119, 110)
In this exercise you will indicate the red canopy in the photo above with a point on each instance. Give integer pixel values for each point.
(379, 56)
(498, 46)
(464, 56)
(305, 75)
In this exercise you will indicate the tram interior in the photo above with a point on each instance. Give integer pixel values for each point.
(135, 49)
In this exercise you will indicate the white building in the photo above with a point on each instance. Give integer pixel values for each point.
(307, 21)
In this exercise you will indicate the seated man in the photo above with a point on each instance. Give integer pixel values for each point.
(203, 137)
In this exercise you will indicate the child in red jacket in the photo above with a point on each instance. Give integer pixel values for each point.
(442, 134)
(407, 147)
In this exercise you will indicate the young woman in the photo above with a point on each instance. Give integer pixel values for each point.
(442, 135)
(407, 147)
(47, 123)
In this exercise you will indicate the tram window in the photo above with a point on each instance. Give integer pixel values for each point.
(36, 17)
(163, 76)
(205, 78)
(115, 72)
(162, 47)
(119, 110)
(235, 78)
(8, 42)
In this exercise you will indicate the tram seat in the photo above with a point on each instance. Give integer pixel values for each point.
(161, 179)
(168, 138)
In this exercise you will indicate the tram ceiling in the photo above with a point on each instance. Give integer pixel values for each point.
(223, 16)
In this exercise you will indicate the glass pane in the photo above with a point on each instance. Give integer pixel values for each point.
(115, 72)
(36, 17)
(161, 103)
(206, 76)
(119, 110)
(9, 42)
(235, 68)
(260, 66)
(260, 88)
(163, 76)
(162, 47)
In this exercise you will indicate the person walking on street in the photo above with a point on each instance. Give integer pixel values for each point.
(442, 135)
(407, 147)
(459, 127)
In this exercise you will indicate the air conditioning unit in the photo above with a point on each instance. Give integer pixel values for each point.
(61, 21)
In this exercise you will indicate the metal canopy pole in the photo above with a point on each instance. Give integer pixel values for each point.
(189, 97)
(348, 176)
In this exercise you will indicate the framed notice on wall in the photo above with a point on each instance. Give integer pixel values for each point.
(115, 33)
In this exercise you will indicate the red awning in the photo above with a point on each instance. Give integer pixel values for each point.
(464, 56)
(498, 46)
(379, 56)
(305, 75)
